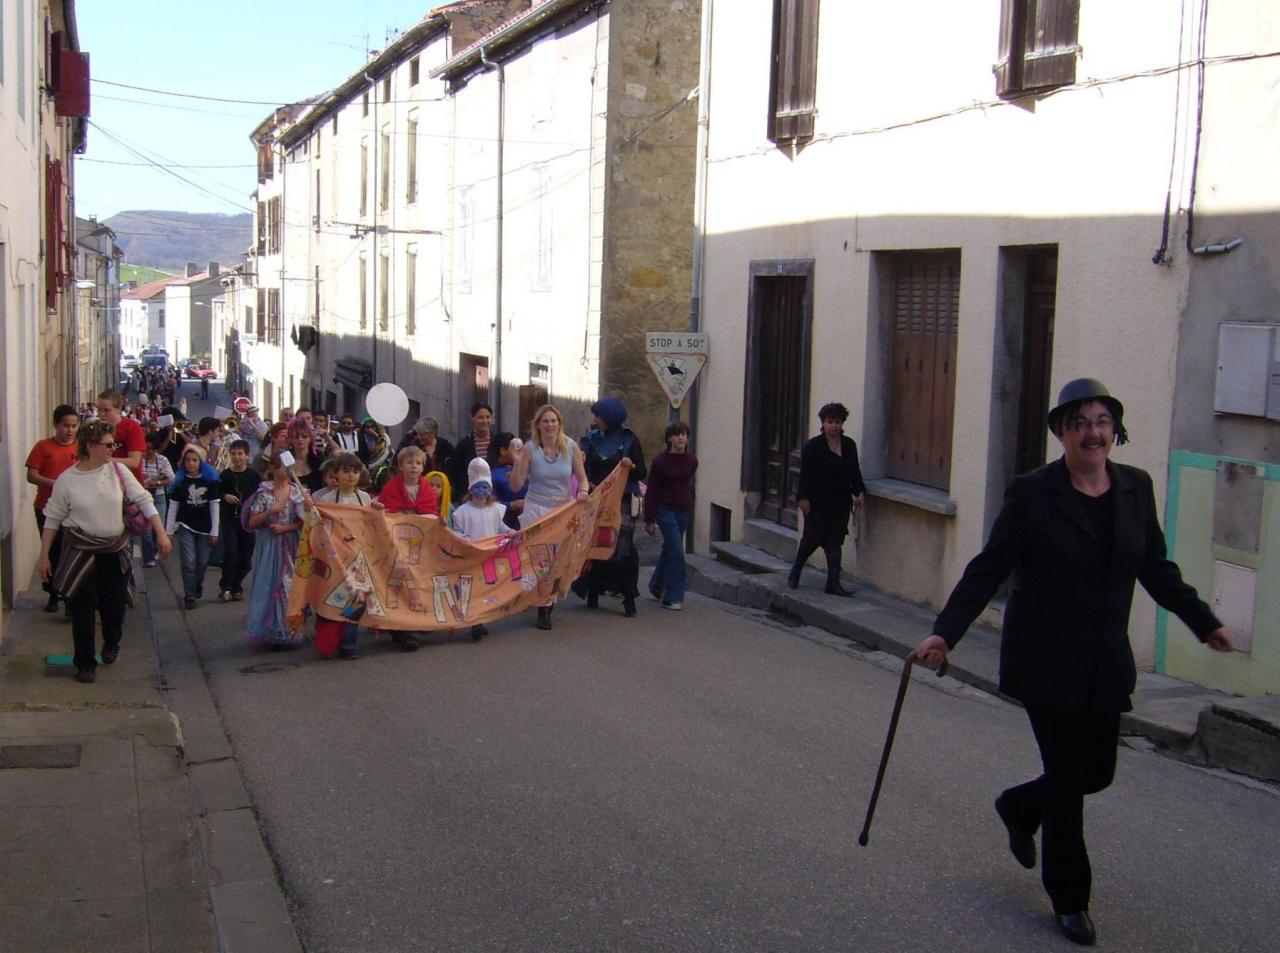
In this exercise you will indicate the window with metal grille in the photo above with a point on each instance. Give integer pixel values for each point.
(1038, 45)
(922, 387)
(793, 79)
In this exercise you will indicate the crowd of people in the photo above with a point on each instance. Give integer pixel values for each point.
(234, 492)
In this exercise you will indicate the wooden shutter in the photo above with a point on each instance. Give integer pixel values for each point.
(1038, 45)
(1049, 57)
(926, 311)
(794, 75)
(54, 239)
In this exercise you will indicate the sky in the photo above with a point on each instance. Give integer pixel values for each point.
(261, 53)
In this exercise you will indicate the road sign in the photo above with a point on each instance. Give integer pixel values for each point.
(676, 357)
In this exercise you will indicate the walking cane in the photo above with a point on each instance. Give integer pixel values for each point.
(888, 742)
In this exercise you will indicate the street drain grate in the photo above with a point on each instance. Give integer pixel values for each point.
(40, 756)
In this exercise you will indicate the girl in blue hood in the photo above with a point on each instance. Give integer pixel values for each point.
(605, 445)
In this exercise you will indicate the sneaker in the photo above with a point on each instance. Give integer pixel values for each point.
(149, 564)
(109, 654)
(673, 606)
(237, 595)
(478, 632)
(225, 596)
(189, 603)
(409, 642)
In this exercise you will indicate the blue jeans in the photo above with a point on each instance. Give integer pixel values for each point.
(193, 550)
(149, 537)
(668, 577)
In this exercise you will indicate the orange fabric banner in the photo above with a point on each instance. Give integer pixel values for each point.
(413, 573)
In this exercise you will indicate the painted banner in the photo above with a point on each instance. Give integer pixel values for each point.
(413, 573)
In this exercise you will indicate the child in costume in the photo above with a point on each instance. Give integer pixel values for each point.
(440, 486)
(407, 492)
(348, 472)
(275, 513)
(480, 514)
(236, 484)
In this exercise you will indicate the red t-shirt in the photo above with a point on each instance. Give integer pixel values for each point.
(50, 458)
(131, 437)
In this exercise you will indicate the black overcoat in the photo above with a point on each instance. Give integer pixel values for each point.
(1066, 640)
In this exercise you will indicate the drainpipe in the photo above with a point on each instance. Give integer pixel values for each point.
(376, 261)
(700, 191)
(497, 338)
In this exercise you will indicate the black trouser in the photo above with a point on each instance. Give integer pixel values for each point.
(55, 551)
(1078, 750)
(102, 591)
(237, 554)
(824, 528)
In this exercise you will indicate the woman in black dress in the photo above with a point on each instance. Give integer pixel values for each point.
(830, 487)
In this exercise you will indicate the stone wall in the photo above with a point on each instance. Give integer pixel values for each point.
(650, 167)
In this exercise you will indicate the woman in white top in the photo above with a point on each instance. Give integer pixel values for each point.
(549, 461)
(95, 570)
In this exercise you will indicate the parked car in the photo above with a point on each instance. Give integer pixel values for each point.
(184, 365)
(203, 369)
(128, 362)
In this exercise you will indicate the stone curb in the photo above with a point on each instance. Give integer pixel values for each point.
(250, 910)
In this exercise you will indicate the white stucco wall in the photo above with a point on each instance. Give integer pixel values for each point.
(1084, 169)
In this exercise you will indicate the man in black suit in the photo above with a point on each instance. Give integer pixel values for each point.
(1076, 534)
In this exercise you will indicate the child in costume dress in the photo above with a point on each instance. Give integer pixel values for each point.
(275, 513)
(408, 492)
(349, 473)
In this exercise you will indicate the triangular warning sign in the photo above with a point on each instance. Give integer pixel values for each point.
(676, 373)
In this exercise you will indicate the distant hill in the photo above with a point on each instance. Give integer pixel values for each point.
(142, 275)
(168, 240)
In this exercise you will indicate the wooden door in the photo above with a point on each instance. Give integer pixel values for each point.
(780, 346)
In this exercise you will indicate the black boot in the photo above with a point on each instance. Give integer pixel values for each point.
(833, 587)
(593, 599)
(544, 618)
(793, 577)
(629, 606)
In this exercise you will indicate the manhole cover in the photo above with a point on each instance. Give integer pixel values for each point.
(266, 668)
(40, 756)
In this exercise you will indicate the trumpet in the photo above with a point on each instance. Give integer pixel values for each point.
(181, 426)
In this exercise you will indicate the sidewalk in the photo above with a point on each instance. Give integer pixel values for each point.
(1186, 721)
(144, 838)
(101, 854)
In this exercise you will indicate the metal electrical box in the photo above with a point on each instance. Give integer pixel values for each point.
(1248, 379)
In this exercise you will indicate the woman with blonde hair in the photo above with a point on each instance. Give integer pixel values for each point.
(95, 569)
(549, 462)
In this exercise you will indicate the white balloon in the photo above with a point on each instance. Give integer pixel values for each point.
(387, 404)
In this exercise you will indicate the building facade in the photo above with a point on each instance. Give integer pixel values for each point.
(98, 338)
(940, 245)
(495, 208)
(44, 99)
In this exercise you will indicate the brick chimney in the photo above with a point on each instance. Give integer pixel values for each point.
(192, 269)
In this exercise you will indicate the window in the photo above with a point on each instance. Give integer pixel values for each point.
(273, 316)
(364, 177)
(316, 297)
(925, 302)
(793, 76)
(386, 90)
(364, 104)
(384, 289)
(315, 218)
(414, 72)
(411, 289)
(333, 125)
(1038, 45)
(364, 292)
(384, 169)
(540, 280)
(161, 322)
(273, 226)
(411, 160)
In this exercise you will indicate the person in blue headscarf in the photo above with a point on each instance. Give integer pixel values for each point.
(605, 445)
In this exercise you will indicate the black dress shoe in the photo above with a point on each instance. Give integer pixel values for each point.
(835, 589)
(1077, 927)
(1021, 844)
(51, 604)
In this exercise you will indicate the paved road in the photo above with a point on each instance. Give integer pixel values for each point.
(693, 781)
